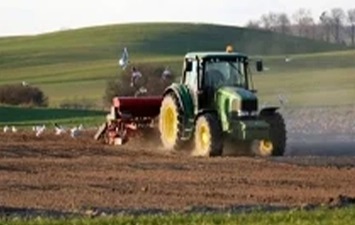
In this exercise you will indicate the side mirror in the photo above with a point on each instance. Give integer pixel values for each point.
(254, 91)
(259, 66)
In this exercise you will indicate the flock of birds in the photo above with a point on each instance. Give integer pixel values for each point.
(58, 130)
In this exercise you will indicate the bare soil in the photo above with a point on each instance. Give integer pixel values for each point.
(65, 174)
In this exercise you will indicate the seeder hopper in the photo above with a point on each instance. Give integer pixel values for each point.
(127, 115)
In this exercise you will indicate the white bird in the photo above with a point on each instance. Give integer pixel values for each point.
(75, 131)
(14, 129)
(166, 73)
(123, 62)
(141, 91)
(288, 59)
(6, 129)
(24, 83)
(39, 130)
(59, 129)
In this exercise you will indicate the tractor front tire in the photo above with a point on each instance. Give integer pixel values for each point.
(277, 144)
(171, 123)
(208, 136)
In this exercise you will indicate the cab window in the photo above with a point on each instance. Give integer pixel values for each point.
(191, 75)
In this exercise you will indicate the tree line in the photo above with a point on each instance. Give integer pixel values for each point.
(335, 25)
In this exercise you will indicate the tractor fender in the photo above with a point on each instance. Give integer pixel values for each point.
(182, 93)
(209, 111)
(204, 111)
(268, 111)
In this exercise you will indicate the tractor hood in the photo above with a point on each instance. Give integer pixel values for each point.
(236, 100)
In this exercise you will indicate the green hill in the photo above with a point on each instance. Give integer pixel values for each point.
(146, 40)
(76, 63)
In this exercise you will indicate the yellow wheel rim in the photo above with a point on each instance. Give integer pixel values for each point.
(204, 136)
(169, 121)
(266, 147)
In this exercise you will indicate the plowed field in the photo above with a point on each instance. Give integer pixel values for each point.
(65, 174)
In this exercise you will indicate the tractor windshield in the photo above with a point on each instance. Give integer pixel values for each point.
(220, 73)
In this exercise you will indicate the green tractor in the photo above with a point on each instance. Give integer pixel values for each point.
(214, 103)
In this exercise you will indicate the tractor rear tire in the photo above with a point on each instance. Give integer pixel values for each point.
(208, 136)
(277, 136)
(171, 123)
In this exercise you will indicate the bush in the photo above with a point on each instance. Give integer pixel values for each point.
(17, 94)
(151, 80)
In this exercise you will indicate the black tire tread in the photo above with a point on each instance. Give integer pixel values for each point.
(179, 143)
(278, 134)
(215, 127)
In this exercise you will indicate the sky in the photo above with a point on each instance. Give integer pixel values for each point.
(23, 17)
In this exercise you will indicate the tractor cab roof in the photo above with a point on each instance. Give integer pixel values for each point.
(203, 55)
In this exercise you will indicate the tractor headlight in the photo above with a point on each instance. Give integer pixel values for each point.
(244, 109)
(247, 114)
(243, 113)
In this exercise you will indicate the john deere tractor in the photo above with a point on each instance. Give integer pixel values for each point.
(215, 102)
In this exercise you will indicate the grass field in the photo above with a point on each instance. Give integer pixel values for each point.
(324, 79)
(310, 79)
(29, 117)
(76, 64)
(321, 216)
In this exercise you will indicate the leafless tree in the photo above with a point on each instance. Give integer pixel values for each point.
(337, 16)
(351, 20)
(278, 22)
(269, 21)
(304, 22)
(283, 23)
(254, 24)
(333, 26)
(325, 22)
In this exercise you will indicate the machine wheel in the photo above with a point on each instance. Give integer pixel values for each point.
(171, 123)
(277, 143)
(208, 136)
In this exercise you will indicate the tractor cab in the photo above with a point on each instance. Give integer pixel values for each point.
(204, 73)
